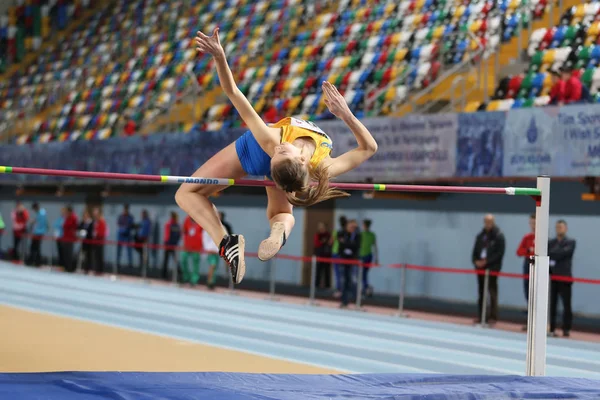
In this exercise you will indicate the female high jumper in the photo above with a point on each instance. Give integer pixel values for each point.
(291, 152)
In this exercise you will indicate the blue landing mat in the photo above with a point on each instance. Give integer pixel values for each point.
(225, 386)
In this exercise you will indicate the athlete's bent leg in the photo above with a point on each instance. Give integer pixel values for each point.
(281, 219)
(193, 199)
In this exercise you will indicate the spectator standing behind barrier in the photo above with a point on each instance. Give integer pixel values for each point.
(367, 254)
(99, 236)
(526, 249)
(322, 244)
(212, 258)
(192, 244)
(20, 217)
(58, 235)
(125, 226)
(335, 252)
(171, 241)
(560, 252)
(69, 238)
(143, 235)
(86, 234)
(488, 253)
(349, 246)
(39, 228)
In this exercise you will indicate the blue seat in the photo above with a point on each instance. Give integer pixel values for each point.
(283, 54)
(538, 80)
(595, 53)
(517, 104)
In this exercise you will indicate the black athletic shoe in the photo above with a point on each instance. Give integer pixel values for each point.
(231, 250)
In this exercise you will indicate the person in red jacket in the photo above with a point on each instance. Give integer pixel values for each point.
(20, 218)
(99, 237)
(573, 88)
(527, 249)
(69, 238)
(192, 244)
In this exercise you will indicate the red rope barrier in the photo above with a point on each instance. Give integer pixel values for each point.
(325, 260)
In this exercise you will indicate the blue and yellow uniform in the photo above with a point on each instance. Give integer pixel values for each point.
(256, 162)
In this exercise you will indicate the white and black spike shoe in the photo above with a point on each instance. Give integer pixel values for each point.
(231, 250)
(269, 247)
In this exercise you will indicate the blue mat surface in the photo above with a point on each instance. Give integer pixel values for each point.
(225, 386)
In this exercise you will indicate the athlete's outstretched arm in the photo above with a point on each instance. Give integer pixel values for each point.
(265, 136)
(366, 144)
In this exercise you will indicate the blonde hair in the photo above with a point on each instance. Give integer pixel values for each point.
(294, 178)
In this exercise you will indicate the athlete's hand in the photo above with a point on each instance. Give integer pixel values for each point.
(209, 44)
(335, 102)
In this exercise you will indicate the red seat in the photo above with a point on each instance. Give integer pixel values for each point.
(513, 86)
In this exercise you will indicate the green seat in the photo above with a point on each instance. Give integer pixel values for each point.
(528, 103)
(587, 77)
(378, 77)
(430, 34)
(339, 80)
(362, 45)
(537, 59)
(584, 53)
(391, 56)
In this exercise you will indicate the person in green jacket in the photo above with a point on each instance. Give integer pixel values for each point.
(367, 254)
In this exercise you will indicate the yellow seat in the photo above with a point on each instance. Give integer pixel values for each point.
(549, 56)
(390, 94)
(475, 26)
(419, 4)
(547, 84)
(579, 11)
(493, 105)
(268, 86)
(397, 37)
(417, 19)
(400, 55)
(260, 73)
(294, 102)
(345, 61)
(460, 10)
(294, 53)
(287, 84)
(389, 9)
(594, 29)
(514, 4)
(438, 32)
(377, 25)
(472, 106)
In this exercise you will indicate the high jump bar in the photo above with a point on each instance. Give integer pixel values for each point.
(167, 179)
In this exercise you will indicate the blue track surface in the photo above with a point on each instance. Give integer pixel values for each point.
(226, 386)
(342, 340)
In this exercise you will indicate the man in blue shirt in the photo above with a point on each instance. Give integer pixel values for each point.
(39, 228)
(125, 226)
(142, 235)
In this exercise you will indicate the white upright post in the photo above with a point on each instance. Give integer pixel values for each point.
(537, 318)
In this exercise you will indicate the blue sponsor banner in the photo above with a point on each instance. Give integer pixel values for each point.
(577, 145)
(479, 150)
(530, 142)
(412, 147)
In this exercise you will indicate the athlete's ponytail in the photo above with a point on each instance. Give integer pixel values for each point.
(293, 177)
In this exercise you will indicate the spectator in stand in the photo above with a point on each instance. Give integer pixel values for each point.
(322, 243)
(349, 246)
(527, 250)
(171, 241)
(560, 252)
(573, 87)
(69, 238)
(2, 226)
(20, 218)
(558, 90)
(368, 254)
(58, 235)
(39, 228)
(335, 254)
(192, 243)
(86, 234)
(125, 226)
(99, 236)
(488, 253)
(130, 128)
(142, 236)
(212, 258)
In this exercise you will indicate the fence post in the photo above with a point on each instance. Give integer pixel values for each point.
(401, 312)
(486, 283)
(144, 271)
(313, 278)
(176, 269)
(272, 280)
(52, 250)
(359, 286)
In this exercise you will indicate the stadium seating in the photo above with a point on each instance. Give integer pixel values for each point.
(573, 44)
(135, 58)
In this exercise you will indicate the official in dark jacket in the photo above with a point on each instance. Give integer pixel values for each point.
(349, 246)
(560, 252)
(487, 254)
